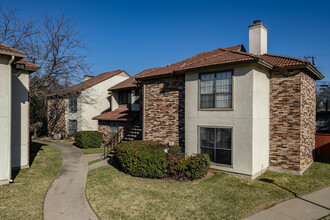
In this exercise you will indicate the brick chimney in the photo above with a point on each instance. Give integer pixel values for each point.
(257, 38)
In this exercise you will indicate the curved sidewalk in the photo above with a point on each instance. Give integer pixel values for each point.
(66, 198)
(315, 205)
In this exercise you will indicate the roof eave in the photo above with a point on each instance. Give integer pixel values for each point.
(13, 54)
(315, 72)
(309, 67)
(124, 88)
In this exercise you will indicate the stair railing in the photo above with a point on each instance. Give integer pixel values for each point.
(119, 136)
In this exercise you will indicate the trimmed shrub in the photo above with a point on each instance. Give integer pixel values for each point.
(88, 139)
(181, 167)
(141, 158)
(197, 166)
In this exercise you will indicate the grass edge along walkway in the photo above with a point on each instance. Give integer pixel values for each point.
(114, 195)
(24, 198)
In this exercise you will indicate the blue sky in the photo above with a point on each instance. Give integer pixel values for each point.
(136, 35)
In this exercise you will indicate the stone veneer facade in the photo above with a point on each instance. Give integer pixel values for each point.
(56, 116)
(164, 110)
(104, 128)
(292, 120)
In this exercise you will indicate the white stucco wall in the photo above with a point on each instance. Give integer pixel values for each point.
(115, 99)
(245, 159)
(5, 118)
(261, 108)
(20, 121)
(92, 102)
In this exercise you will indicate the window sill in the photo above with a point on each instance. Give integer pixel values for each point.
(221, 165)
(215, 109)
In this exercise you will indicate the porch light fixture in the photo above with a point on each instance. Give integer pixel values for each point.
(20, 66)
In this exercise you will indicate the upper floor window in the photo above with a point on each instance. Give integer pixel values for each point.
(216, 90)
(73, 104)
(123, 97)
(137, 96)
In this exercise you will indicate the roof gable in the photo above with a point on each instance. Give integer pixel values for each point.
(128, 83)
(88, 83)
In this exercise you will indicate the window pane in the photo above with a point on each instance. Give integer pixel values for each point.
(223, 157)
(123, 97)
(114, 127)
(207, 83)
(73, 105)
(223, 100)
(207, 101)
(207, 137)
(72, 127)
(208, 151)
(223, 138)
(223, 82)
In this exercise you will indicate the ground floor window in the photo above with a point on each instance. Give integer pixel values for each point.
(72, 127)
(216, 142)
(114, 127)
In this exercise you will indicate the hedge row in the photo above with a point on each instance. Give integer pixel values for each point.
(88, 139)
(153, 160)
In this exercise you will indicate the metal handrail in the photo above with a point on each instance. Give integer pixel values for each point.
(119, 136)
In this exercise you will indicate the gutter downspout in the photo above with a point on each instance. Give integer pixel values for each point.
(9, 117)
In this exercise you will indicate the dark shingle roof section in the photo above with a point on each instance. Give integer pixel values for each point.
(88, 83)
(230, 55)
(120, 114)
(126, 84)
(11, 51)
(29, 66)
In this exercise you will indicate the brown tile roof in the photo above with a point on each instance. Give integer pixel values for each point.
(240, 48)
(120, 114)
(4, 49)
(29, 66)
(88, 83)
(230, 55)
(128, 83)
(282, 61)
(210, 58)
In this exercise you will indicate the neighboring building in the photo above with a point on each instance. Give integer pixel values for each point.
(248, 111)
(124, 112)
(72, 109)
(14, 111)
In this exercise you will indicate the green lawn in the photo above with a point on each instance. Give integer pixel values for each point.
(64, 141)
(115, 195)
(24, 199)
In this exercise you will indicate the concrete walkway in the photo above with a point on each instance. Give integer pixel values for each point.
(312, 206)
(99, 164)
(66, 197)
(91, 157)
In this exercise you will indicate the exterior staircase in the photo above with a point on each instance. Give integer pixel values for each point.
(131, 131)
(135, 133)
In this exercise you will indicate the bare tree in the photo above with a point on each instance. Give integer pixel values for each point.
(55, 45)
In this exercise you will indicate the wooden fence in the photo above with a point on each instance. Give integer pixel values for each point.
(322, 147)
